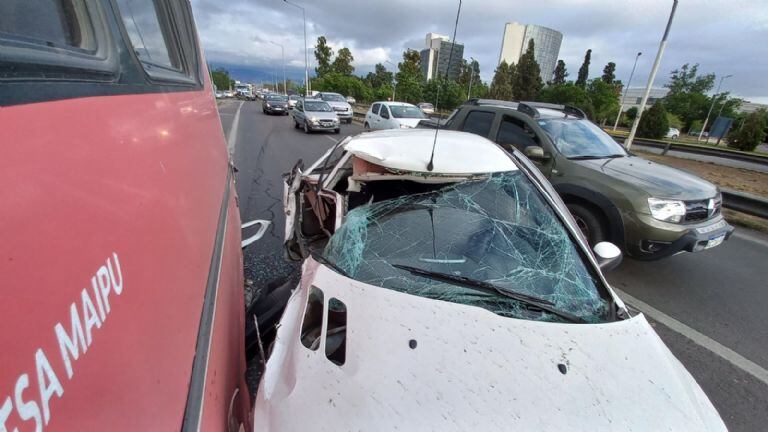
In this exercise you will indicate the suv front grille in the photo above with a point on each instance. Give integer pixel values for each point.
(699, 210)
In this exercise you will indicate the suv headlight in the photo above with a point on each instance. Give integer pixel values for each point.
(313, 120)
(667, 210)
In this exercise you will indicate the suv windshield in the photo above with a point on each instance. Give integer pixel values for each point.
(316, 106)
(405, 111)
(581, 139)
(332, 97)
(496, 230)
(277, 98)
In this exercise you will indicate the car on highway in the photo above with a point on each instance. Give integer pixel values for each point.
(121, 262)
(650, 210)
(447, 287)
(219, 94)
(315, 115)
(339, 104)
(392, 115)
(427, 108)
(274, 103)
(673, 133)
(229, 94)
(292, 99)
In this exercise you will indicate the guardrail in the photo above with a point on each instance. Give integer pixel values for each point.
(702, 150)
(746, 203)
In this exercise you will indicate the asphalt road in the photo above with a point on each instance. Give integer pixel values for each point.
(710, 308)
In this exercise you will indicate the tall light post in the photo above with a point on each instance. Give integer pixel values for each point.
(651, 78)
(471, 74)
(282, 48)
(393, 79)
(307, 89)
(714, 99)
(623, 98)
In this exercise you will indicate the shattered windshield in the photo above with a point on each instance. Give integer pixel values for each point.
(497, 230)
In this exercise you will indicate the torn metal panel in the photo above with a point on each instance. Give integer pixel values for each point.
(470, 370)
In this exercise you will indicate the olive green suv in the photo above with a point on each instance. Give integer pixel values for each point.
(650, 209)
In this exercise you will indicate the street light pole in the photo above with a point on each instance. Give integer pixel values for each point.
(471, 74)
(654, 69)
(307, 88)
(393, 80)
(714, 99)
(282, 48)
(623, 98)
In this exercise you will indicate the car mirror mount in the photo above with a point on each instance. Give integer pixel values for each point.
(608, 255)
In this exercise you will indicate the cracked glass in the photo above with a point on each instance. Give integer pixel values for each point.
(497, 229)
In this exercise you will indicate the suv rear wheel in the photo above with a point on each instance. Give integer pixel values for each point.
(590, 223)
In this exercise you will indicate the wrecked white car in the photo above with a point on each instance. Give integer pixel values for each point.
(456, 298)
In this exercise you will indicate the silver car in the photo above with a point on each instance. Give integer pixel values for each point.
(339, 104)
(314, 115)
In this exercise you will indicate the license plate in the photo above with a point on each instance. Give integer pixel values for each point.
(715, 241)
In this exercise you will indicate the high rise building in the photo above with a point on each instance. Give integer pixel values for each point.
(434, 59)
(546, 46)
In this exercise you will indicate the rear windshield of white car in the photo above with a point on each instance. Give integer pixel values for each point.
(403, 111)
(317, 106)
(332, 97)
(497, 230)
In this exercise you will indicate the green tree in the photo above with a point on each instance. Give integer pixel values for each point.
(751, 133)
(451, 93)
(410, 80)
(221, 79)
(654, 123)
(323, 55)
(343, 63)
(674, 121)
(379, 77)
(526, 82)
(687, 97)
(631, 113)
(560, 74)
(345, 84)
(568, 94)
(470, 72)
(604, 98)
(501, 85)
(609, 73)
(687, 80)
(581, 81)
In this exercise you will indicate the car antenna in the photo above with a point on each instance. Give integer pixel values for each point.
(430, 165)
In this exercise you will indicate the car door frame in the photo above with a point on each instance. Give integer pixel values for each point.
(546, 167)
(385, 122)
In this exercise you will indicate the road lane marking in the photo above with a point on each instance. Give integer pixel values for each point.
(700, 339)
(232, 138)
(334, 141)
(758, 241)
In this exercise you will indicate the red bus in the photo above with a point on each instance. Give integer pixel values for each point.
(120, 258)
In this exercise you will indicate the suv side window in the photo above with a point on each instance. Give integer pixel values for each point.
(514, 132)
(299, 106)
(375, 108)
(384, 112)
(478, 122)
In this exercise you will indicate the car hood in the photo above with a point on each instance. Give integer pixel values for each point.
(321, 115)
(419, 364)
(338, 104)
(655, 179)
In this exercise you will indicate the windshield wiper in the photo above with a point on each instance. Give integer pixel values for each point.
(323, 260)
(588, 157)
(536, 302)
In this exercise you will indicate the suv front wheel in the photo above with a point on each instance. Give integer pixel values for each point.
(590, 223)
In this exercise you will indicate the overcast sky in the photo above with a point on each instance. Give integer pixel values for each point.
(724, 37)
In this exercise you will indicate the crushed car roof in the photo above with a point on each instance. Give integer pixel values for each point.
(409, 150)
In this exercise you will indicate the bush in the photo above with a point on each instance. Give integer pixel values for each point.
(750, 134)
(654, 123)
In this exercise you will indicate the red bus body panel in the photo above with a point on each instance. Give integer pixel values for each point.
(113, 194)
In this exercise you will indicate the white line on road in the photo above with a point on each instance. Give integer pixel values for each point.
(232, 138)
(746, 237)
(334, 140)
(700, 339)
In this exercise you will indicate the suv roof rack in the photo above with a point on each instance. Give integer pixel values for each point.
(529, 109)
(568, 110)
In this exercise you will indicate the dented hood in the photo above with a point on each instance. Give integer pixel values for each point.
(471, 370)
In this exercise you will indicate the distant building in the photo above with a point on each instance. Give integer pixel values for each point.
(750, 107)
(546, 46)
(434, 59)
(635, 96)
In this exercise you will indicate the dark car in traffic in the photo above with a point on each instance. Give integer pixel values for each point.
(651, 210)
(275, 104)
